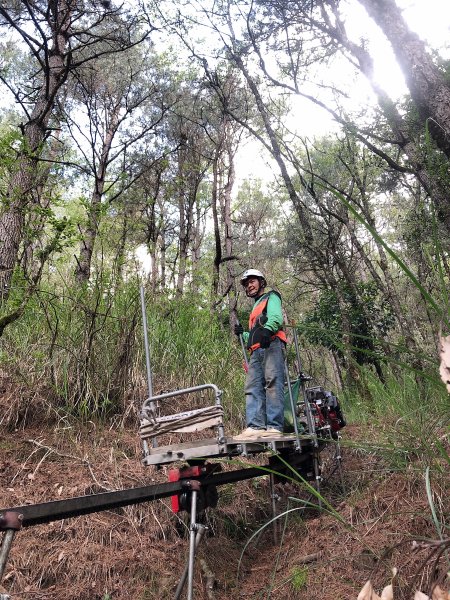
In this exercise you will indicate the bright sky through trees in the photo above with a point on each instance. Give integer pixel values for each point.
(430, 19)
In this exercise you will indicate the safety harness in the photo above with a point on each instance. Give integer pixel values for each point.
(257, 320)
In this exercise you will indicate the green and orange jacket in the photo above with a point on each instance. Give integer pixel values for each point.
(267, 314)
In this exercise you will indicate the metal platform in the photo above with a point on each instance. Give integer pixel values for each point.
(226, 447)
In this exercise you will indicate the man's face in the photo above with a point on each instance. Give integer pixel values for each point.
(252, 286)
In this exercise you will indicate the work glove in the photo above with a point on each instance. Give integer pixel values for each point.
(265, 337)
(238, 329)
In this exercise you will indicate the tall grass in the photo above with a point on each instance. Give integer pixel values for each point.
(84, 350)
(190, 346)
(407, 422)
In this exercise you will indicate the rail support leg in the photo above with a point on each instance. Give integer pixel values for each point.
(338, 459)
(10, 522)
(201, 530)
(193, 535)
(317, 475)
(275, 523)
(196, 533)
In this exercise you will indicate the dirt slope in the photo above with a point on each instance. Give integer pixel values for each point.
(139, 552)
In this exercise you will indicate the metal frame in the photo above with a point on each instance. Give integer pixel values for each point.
(309, 417)
(168, 455)
(13, 519)
(200, 531)
(211, 448)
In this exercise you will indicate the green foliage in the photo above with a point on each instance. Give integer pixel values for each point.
(299, 577)
(370, 318)
(406, 420)
(190, 346)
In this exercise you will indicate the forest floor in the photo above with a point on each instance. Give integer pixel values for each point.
(140, 552)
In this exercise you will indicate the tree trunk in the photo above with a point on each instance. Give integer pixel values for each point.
(189, 179)
(337, 370)
(228, 236)
(153, 252)
(216, 225)
(427, 85)
(198, 230)
(182, 242)
(431, 182)
(83, 269)
(22, 182)
(120, 255)
(163, 258)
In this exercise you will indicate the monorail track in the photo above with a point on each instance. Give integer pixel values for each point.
(46, 512)
(193, 491)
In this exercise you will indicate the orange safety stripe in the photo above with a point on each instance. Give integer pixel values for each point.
(256, 312)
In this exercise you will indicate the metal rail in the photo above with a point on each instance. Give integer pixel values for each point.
(13, 519)
(147, 361)
(189, 390)
(37, 514)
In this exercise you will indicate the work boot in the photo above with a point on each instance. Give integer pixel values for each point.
(272, 432)
(249, 434)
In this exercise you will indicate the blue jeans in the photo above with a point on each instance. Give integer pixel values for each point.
(264, 387)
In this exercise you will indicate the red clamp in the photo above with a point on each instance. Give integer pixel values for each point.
(188, 473)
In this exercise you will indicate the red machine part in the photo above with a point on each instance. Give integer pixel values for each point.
(174, 475)
(326, 416)
(187, 473)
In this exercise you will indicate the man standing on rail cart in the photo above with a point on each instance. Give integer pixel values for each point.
(266, 341)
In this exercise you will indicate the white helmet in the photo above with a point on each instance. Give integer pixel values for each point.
(253, 273)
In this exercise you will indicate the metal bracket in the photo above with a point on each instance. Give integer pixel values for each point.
(10, 522)
(11, 519)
